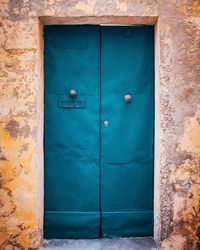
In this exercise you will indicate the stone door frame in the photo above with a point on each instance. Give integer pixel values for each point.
(125, 21)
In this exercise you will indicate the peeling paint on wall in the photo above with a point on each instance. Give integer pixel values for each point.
(18, 196)
(21, 109)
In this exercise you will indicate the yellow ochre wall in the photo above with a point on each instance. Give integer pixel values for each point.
(177, 112)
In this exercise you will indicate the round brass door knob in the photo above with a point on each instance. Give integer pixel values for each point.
(72, 93)
(128, 98)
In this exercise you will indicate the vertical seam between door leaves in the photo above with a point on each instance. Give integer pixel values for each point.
(100, 191)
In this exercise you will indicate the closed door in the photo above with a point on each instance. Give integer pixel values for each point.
(98, 131)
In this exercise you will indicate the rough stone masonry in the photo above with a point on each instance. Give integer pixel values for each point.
(177, 108)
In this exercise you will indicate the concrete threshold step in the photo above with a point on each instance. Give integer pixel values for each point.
(101, 244)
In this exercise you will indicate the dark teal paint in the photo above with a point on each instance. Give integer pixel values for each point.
(98, 179)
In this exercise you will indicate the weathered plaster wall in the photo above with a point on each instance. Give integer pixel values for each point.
(177, 176)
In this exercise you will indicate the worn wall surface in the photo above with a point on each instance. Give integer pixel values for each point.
(177, 133)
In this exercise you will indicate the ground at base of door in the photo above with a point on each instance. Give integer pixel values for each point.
(101, 244)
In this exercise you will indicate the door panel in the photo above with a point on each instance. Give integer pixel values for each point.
(72, 133)
(98, 176)
(127, 141)
(72, 67)
(127, 138)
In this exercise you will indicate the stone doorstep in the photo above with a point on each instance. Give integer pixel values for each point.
(101, 244)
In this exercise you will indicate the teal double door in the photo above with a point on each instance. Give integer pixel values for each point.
(98, 131)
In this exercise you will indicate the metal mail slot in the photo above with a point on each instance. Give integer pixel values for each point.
(71, 104)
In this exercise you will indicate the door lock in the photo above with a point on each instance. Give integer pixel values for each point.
(106, 123)
(128, 98)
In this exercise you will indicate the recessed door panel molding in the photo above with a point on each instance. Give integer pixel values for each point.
(99, 110)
